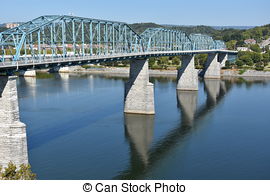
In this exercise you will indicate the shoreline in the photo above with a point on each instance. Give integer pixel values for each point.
(124, 71)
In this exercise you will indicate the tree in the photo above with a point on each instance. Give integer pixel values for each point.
(246, 59)
(163, 61)
(256, 48)
(175, 60)
(256, 57)
(200, 59)
(231, 44)
(265, 58)
(239, 62)
(152, 61)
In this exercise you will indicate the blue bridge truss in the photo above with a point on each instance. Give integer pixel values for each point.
(64, 37)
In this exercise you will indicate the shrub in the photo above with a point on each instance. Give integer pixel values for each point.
(242, 71)
(12, 173)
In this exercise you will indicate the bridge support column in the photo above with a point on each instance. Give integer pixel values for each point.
(212, 67)
(187, 77)
(27, 73)
(139, 92)
(64, 69)
(222, 58)
(13, 143)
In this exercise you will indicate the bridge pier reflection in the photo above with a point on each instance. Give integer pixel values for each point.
(139, 131)
(27, 73)
(139, 92)
(187, 101)
(13, 142)
(212, 88)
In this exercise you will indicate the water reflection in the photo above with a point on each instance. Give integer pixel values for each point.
(187, 101)
(212, 88)
(31, 83)
(64, 80)
(139, 133)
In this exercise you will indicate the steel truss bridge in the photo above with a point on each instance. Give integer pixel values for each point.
(64, 40)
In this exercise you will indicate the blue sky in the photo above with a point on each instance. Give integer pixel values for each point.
(181, 12)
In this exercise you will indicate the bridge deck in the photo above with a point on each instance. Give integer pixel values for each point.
(49, 61)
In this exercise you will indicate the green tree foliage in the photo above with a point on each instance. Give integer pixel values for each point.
(163, 61)
(231, 44)
(2, 28)
(176, 60)
(266, 58)
(239, 62)
(152, 61)
(200, 59)
(246, 59)
(256, 57)
(140, 27)
(11, 172)
(193, 29)
(255, 48)
(256, 60)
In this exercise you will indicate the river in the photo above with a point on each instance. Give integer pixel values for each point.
(76, 129)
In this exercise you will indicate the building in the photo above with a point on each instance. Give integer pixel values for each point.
(250, 41)
(242, 49)
(264, 43)
(11, 25)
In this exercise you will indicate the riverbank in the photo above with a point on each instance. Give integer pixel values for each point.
(124, 71)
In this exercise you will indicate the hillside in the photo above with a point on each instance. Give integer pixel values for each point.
(140, 27)
(2, 28)
(193, 29)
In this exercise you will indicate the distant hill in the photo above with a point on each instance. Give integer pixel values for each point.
(214, 27)
(2, 28)
(140, 27)
(193, 29)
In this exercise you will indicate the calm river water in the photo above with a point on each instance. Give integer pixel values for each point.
(76, 129)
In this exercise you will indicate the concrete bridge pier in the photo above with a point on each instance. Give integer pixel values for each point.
(222, 58)
(187, 77)
(139, 92)
(13, 142)
(28, 73)
(212, 67)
